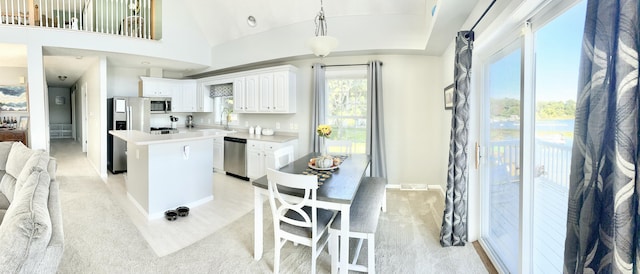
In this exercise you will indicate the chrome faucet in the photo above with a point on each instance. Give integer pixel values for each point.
(225, 110)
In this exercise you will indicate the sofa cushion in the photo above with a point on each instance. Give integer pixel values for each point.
(19, 165)
(38, 161)
(52, 167)
(4, 205)
(26, 229)
(5, 147)
(8, 186)
(18, 157)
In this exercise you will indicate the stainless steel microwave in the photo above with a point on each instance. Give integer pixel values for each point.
(160, 104)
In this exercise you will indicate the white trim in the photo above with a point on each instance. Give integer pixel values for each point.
(161, 214)
(137, 205)
(492, 256)
(418, 187)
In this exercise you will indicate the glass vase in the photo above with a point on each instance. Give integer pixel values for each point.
(323, 147)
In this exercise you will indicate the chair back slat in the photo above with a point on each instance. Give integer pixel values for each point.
(281, 205)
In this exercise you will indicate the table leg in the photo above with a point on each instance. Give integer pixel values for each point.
(258, 233)
(344, 238)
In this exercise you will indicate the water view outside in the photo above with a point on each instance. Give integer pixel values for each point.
(503, 193)
(557, 46)
(557, 58)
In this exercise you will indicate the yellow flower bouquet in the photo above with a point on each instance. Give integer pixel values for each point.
(324, 131)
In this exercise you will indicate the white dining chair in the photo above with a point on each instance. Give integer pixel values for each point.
(339, 146)
(283, 156)
(297, 219)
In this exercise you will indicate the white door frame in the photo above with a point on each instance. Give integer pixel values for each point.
(85, 117)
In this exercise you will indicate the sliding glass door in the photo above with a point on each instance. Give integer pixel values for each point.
(557, 54)
(529, 103)
(501, 193)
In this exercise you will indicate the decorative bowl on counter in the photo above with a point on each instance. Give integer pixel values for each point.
(267, 131)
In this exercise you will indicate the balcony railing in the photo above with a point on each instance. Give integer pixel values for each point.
(552, 161)
(132, 18)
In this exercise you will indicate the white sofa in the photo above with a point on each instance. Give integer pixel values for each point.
(31, 236)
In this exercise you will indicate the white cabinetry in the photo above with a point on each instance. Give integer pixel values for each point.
(238, 94)
(155, 87)
(260, 156)
(278, 92)
(218, 153)
(269, 90)
(183, 93)
(184, 97)
(204, 103)
(245, 94)
(266, 92)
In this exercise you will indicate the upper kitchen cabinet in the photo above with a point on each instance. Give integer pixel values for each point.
(183, 93)
(155, 87)
(268, 90)
(277, 90)
(245, 94)
(204, 102)
(184, 96)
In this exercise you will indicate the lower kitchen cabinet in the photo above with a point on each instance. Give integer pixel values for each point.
(260, 156)
(218, 154)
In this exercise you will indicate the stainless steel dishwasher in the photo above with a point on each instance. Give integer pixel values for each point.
(235, 157)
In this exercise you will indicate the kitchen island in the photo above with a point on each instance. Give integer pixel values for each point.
(169, 170)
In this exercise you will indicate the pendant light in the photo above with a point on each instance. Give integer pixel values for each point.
(322, 44)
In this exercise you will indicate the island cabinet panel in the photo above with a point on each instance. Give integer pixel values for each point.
(14, 136)
(164, 176)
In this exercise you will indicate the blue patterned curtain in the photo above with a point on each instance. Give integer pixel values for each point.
(454, 220)
(602, 230)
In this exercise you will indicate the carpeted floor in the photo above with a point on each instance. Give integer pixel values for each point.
(100, 238)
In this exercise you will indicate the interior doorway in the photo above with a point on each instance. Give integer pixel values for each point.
(60, 113)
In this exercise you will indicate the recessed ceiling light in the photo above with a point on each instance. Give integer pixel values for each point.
(251, 21)
(79, 57)
(62, 77)
(145, 63)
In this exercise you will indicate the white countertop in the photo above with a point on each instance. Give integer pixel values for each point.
(142, 138)
(270, 138)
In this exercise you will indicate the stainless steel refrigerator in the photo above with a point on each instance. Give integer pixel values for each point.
(124, 113)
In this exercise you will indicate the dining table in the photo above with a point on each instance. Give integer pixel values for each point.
(334, 193)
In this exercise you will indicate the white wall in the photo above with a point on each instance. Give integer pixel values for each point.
(95, 79)
(59, 114)
(38, 113)
(123, 81)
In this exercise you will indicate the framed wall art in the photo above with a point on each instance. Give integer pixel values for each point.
(24, 123)
(448, 97)
(13, 98)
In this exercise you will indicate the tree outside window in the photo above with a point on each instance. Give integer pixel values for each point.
(347, 107)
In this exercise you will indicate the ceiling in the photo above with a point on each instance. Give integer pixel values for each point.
(223, 22)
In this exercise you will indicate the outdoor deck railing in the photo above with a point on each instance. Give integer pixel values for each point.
(133, 18)
(552, 161)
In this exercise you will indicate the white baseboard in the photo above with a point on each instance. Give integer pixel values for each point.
(138, 206)
(417, 187)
